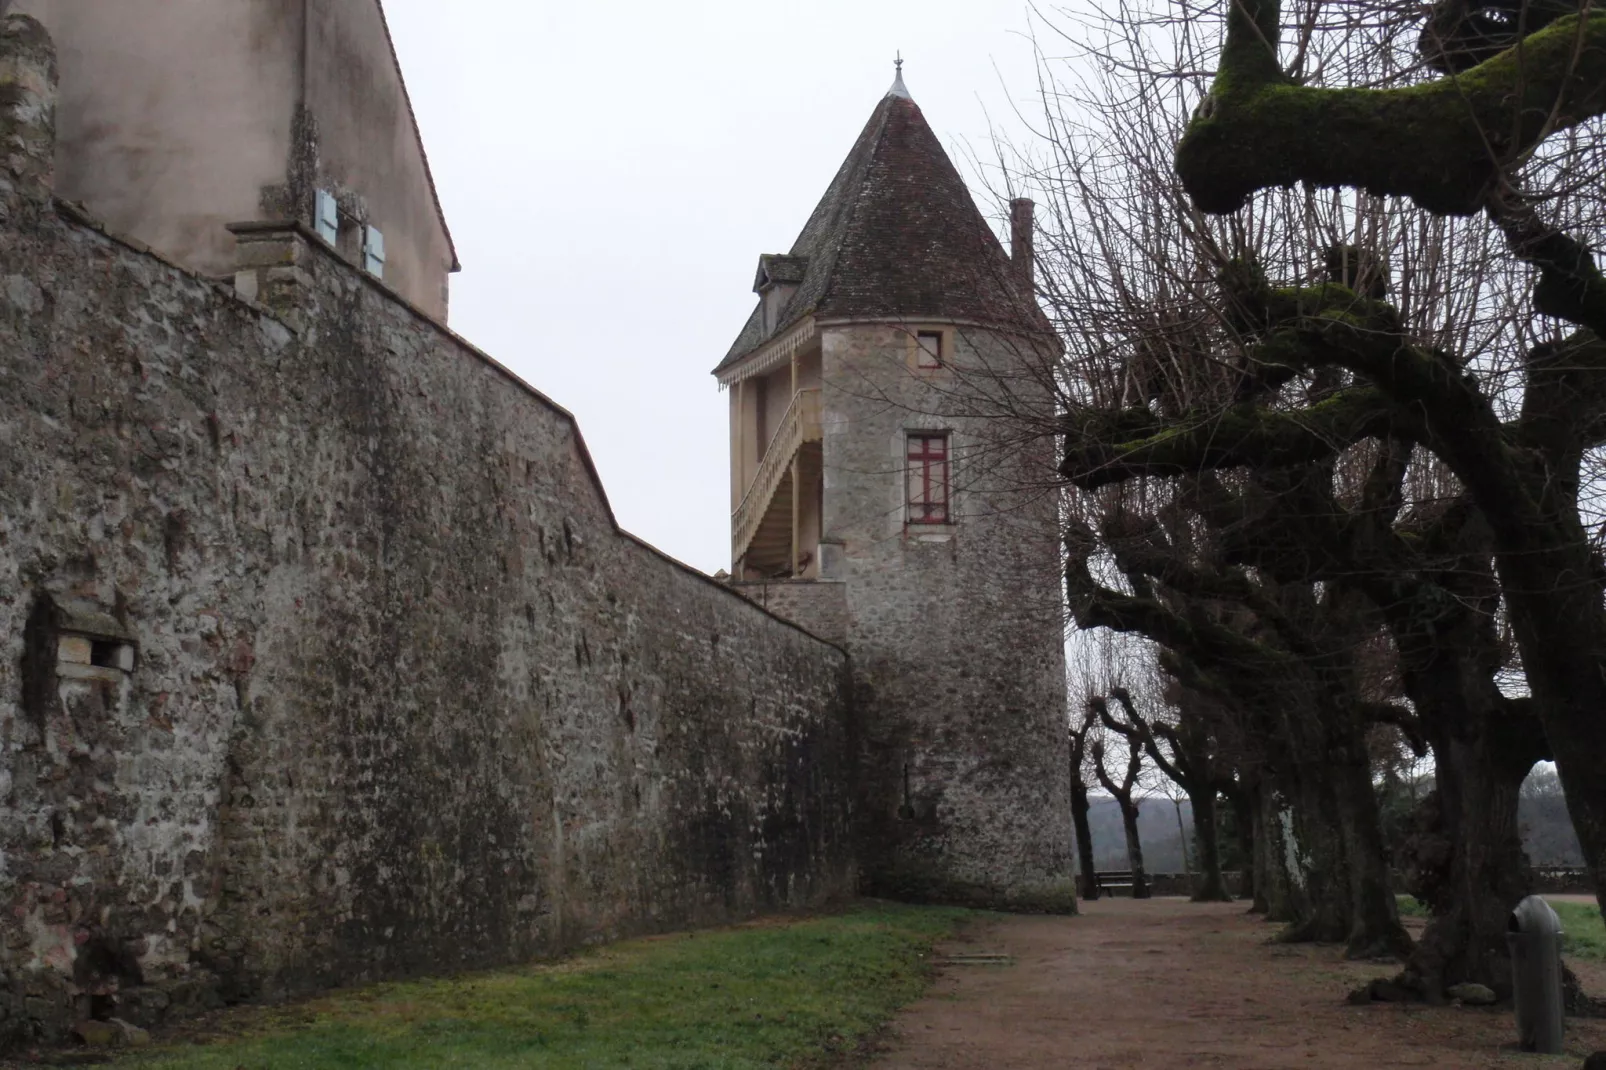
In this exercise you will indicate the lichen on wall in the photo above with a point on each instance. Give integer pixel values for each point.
(399, 694)
(955, 630)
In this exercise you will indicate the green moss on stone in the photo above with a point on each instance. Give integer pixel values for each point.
(1428, 142)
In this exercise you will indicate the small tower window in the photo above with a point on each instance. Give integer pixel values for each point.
(928, 349)
(927, 477)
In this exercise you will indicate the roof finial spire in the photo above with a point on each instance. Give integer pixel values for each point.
(898, 89)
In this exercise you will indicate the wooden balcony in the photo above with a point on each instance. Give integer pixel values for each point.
(768, 511)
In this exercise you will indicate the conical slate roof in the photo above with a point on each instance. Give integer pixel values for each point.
(897, 236)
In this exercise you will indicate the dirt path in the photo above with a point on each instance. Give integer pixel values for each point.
(1168, 983)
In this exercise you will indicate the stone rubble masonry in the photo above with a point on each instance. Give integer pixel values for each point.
(955, 633)
(818, 606)
(384, 689)
(28, 105)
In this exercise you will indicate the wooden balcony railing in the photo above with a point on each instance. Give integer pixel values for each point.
(800, 424)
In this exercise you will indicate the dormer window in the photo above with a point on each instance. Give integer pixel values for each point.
(928, 349)
(777, 280)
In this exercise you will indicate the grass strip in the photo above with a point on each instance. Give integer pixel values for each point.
(793, 993)
(1583, 931)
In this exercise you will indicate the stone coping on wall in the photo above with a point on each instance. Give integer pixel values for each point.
(818, 606)
(478, 764)
(80, 215)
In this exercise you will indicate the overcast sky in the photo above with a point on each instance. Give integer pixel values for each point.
(611, 172)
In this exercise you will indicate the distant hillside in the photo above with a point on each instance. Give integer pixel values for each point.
(1547, 832)
(1157, 828)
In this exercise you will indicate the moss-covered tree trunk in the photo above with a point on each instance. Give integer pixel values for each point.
(1286, 901)
(1322, 911)
(1374, 924)
(1246, 825)
(1207, 841)
(1466, 860)
(1485, 877)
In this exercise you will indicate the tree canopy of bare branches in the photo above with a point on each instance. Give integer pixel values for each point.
(1336, 401)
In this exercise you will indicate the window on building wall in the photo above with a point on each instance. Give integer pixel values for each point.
(926, 477)
(928, 349)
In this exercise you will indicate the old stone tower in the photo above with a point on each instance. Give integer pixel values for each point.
(889, 466)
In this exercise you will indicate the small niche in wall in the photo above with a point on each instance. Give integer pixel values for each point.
(75, 639)
(111, 654)
(91, 642)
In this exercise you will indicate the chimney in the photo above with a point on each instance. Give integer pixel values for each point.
(1020, 242)
(27, 104)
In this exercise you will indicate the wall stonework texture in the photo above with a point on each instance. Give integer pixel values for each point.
(955, 632)
(819, 606)
(323, 659)
(371, 682)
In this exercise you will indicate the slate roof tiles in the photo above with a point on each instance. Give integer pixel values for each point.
(897, 236)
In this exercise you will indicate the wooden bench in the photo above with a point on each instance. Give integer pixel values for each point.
(1108, 880)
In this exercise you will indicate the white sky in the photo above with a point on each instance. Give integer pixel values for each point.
(611, 172)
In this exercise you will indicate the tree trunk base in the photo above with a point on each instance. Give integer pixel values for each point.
(1408, 986)
(1405, 987)
(1381, 941)
(1302, 932)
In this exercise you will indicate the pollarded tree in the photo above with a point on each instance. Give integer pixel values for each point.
(1187, 752)
(1080, 806)
(1123, 791)
(1185, 365)
(1283, 656)
(1512, 134)
(1425, 571)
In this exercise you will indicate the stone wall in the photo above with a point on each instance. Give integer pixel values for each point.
(322, 658)
(820, 606)
(955, 630)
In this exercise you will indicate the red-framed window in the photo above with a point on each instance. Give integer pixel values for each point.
(928, 349)
(927, 478)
